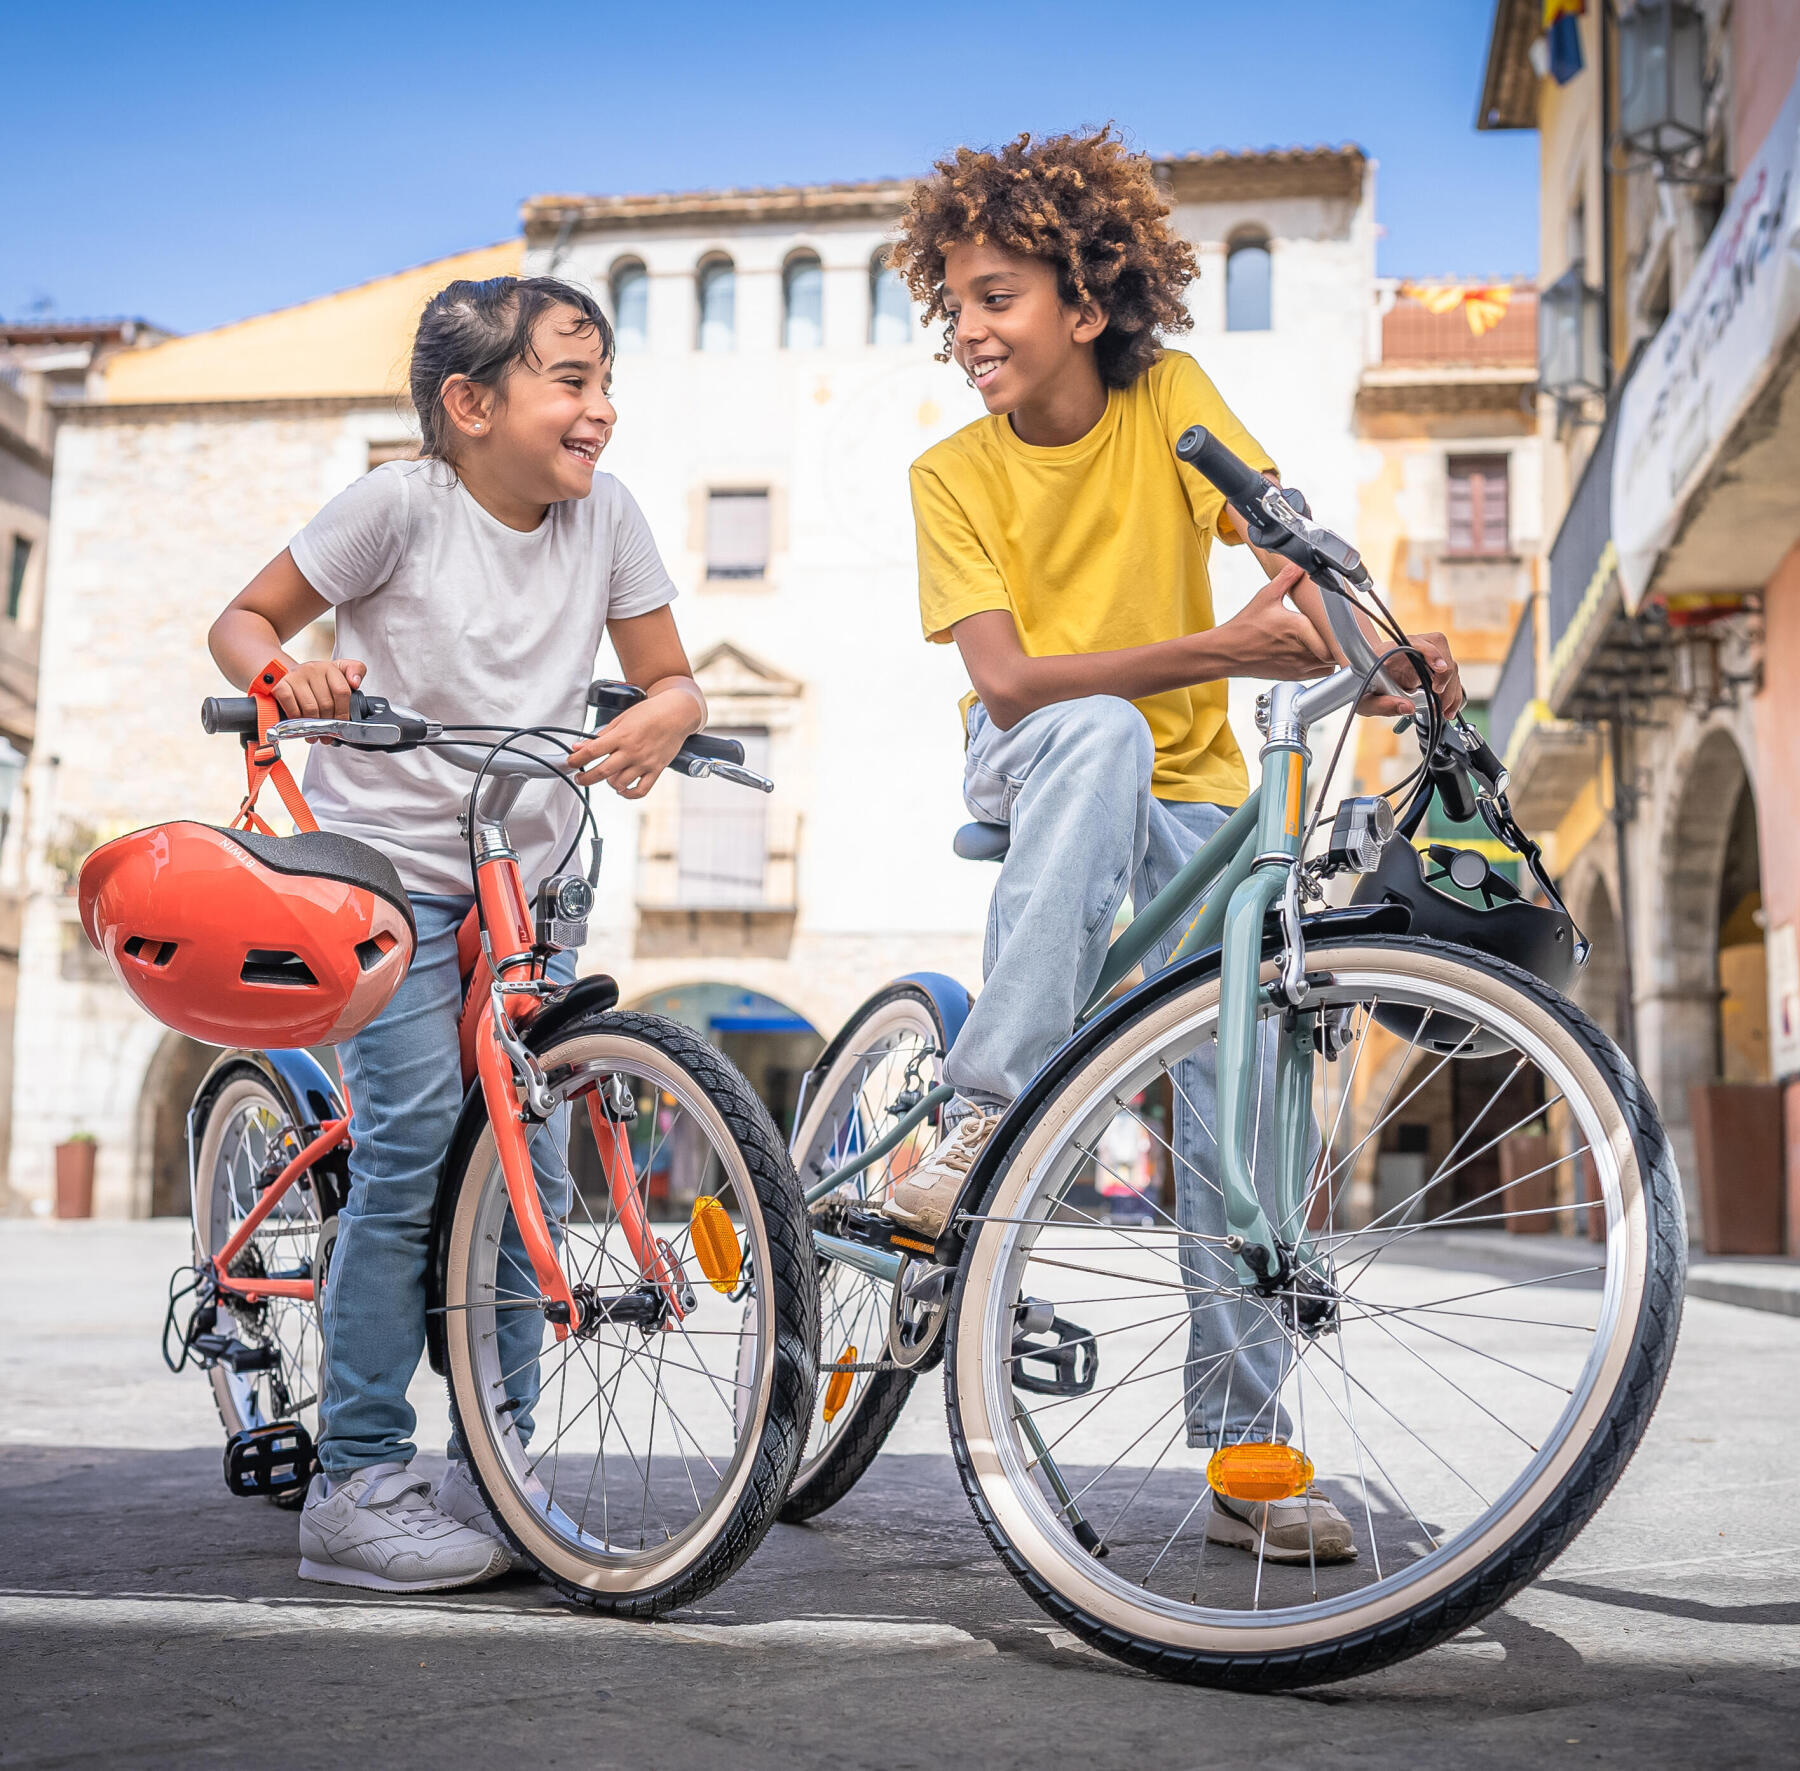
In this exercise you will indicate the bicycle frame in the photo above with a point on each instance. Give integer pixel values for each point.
(1249, 866)
(506, 917)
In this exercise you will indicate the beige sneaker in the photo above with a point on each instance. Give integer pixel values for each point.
(1306, 1528)
(923, 1199)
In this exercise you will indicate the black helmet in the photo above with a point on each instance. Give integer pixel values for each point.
(1533, 937)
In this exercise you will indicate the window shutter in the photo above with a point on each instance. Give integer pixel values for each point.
(723, 848)
(737, 534)
(1476, 506)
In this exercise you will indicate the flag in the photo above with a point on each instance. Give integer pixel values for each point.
(1563, 28)
(1484, 305)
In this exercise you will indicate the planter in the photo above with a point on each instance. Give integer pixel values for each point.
(1739, 1153)
(75, 1178)
(1528, 1171)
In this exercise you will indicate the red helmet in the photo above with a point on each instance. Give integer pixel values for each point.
(242, 939)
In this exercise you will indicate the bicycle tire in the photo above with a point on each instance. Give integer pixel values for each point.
(1500, 1560)
(692, 1564)
(235, 1092)
(877, 1398)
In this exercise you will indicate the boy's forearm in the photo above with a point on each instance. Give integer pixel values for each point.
(1023, 684)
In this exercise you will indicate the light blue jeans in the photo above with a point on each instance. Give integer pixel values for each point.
(404, 1076)
(1073, 781)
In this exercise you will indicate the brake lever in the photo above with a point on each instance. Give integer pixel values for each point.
(700, 767)
(360, 733)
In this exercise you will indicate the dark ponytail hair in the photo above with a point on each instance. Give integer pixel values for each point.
(480, 330)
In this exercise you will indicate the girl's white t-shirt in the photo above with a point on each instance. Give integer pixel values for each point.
(471, 623)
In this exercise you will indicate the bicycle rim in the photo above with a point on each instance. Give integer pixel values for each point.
(891, 1055)
(1445, 1410)
(644, 1436)
(246, 1134)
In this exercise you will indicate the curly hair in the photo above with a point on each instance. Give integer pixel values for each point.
(1085, 205)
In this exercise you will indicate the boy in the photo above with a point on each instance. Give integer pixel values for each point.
(1063, 547)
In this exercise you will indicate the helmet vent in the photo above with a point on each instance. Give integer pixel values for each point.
(276, 965)
(371, 952)
(148, 952)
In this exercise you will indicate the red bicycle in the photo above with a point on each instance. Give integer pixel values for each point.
(642, 1285)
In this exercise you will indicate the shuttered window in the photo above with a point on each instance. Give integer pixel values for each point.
(737, 534)
(723, 847)
(1477, 506)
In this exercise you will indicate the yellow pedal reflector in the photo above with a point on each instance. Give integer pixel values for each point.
(716, 1244)
(1259, 1471)
(837, 1392)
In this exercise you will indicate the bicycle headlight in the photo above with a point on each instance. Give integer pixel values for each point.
(564, 902)
(1359, 833)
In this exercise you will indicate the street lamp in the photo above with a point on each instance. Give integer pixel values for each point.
(1570, 362)
(1662, 89)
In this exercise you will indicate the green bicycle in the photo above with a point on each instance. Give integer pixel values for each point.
(1327, 1116)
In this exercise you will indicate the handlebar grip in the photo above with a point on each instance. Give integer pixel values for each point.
(233, 714)
(715, 750)
(1454, 793)
(1241, 484)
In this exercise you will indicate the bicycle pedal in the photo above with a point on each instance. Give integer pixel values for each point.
(269, 1460)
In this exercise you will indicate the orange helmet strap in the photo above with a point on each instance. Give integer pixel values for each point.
(262, 760)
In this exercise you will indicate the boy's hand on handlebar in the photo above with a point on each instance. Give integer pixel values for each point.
(320, 690)
(1267, 638)
(630, 752)
(1446, 680)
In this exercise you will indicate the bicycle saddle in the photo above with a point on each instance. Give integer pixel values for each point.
(983, 842)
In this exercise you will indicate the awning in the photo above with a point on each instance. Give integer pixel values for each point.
(1710, 360)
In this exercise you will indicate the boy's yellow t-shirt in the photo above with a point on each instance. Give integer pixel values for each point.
(1093, 546)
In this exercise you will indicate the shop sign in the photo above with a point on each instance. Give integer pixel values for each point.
(1711, 357)
(1784, 1002)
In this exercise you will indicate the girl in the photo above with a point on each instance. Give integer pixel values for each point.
(474, 584)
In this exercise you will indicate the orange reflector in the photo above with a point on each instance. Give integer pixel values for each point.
(1259, 1472)
(837, 1392)
(716, 1244)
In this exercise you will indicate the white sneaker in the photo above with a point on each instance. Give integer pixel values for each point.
(1307, 1528)
(378, 1528)
(924, 1199)
(460, 1497)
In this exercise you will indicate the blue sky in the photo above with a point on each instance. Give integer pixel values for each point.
(194, 164)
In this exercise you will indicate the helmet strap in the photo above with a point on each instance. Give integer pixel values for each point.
(262, 760)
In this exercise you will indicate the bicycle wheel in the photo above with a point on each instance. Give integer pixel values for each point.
(1465, 1414)
(243, 1137)
(639, 1460)
(884, 1058)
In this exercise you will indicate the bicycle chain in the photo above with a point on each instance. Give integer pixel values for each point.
(861, 1365)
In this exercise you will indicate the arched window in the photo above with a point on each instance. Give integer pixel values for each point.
(718, 305)
(630, 306)
(803, 303)
(1247, 284)
(890, 306)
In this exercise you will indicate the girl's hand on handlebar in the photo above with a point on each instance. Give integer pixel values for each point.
(630, 752)
(320, 690)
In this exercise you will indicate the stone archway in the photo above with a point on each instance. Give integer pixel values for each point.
(160, 1170)
(1679, 998)
(1599, 987)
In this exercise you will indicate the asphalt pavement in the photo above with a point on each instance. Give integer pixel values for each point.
(148, 1618)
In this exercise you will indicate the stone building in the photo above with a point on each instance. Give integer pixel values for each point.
(1449, 522)
(773, 385)
(1646, 704)
(45, 366)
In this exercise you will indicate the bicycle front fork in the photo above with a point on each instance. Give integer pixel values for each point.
(1262, 1257)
